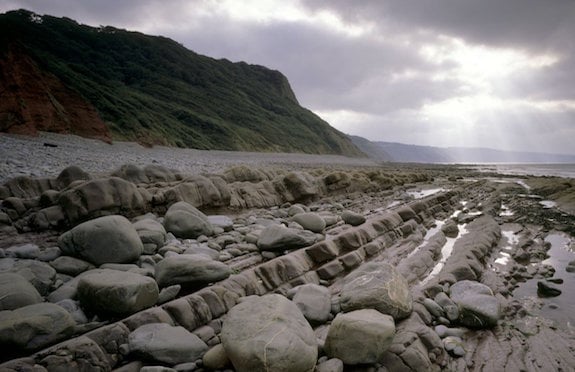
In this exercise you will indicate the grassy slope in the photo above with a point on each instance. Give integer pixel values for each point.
(154, 90)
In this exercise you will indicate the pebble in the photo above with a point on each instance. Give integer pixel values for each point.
(75, 150)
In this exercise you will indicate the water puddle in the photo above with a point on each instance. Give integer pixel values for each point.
(445, 253)
(561, 308)
(432, 231)
(511, 237)
(504, 257)
(505, 211)
(419, 194)
(547, 204)
(523, 184)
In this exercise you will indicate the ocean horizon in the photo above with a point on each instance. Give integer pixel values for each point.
(565, 170)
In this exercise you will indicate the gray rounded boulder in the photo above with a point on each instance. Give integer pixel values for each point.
(109, 239)
(165, 343)
(186, 222)
(190, 269)
(17, 292)
(269, 333)
(107, 291)
(352, 218)
(478, 307)
(360, 337)
(310, 221)
(314, 301)
(379, 286)
(34, 326)
(279, 238)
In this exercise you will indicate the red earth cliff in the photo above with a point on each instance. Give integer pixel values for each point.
(32, 101)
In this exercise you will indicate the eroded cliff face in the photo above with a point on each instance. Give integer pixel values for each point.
(32, 100)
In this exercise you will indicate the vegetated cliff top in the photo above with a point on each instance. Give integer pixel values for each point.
(153, 90)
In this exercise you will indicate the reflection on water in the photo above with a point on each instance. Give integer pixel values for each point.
(445, 253)
(419, 194)
(558, 170)
(548, 204)
(561, 309)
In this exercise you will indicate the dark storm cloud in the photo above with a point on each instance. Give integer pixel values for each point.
(533, 24)
(327, 70)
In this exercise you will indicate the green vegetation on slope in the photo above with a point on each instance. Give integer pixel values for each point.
(155, 91)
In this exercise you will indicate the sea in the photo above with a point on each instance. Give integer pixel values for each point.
(565, 170)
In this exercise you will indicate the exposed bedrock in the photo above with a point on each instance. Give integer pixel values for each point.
(75, 196)
(179, 288)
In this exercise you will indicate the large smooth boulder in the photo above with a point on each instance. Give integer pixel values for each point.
(34, 326)
(269, 333)
(310, 221)
(109, 239)
(164, 343)
(41, 275)
(102, 197)
(314, 301)
(379, 286)
(107, 291)
(280, 238)
(360, 337)
(190, 269)
(478, 307)
(16, 292)
(186, 222)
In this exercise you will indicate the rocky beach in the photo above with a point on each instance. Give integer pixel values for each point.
(118, 257)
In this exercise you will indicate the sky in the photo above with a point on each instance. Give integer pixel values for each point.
(474, 73)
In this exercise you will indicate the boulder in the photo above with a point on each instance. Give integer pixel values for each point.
(280, 238)
(70, 265)
(190, 269)
(199, 191)
(352, 218)
(242, 173)
(107, 291)
(186, 222)
(360, 337)
(269, 333)
(109, 239)
(71, 174)
(298, 186)
(379, 286)
(131, 173)
(310, 221)
(478, 307)
(216, 358)
(164, 343)
(103, 197)
(41, 275)
(16, 292)
(151, 233)
(34, 326)
(450, 229)
(226, 223)
(158, 173)
(314, 301)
